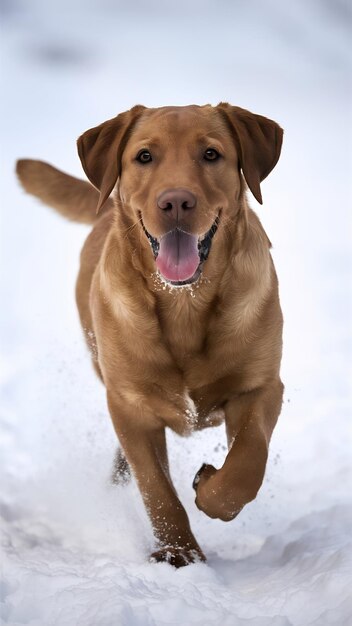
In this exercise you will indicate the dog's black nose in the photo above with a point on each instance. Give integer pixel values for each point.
(176, 201)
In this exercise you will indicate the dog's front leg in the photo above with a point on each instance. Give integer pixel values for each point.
(144, 444)
(250, 420)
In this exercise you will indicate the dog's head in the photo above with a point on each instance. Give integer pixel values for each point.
(179, 174)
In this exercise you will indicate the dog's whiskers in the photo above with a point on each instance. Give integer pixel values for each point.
(127, 231)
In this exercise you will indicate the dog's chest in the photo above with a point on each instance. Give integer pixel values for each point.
(185, 347)
(192, 334)
(184, 324)
(207, 346)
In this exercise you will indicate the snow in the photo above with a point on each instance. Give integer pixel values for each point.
(75, 548)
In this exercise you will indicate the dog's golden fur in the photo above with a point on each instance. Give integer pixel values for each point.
(184, 357)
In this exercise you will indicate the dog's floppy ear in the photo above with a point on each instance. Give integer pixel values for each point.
(100, 151)
(258, 141)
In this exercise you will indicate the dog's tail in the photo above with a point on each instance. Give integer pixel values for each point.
(74, 198)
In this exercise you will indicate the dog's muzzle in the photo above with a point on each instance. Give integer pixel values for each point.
(180, 256)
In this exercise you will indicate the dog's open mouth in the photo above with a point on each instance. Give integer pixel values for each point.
(179, 256)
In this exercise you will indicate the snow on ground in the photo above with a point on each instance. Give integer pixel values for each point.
(75, 548)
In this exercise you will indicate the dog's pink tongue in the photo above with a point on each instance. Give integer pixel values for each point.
(178, 257)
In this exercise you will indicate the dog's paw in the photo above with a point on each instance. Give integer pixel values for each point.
(178, 557)
(204, 472)
(213, 495)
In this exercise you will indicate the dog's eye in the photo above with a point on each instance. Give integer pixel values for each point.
(144, 156)
(211, 154)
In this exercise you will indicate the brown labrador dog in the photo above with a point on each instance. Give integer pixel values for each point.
(178, 296)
